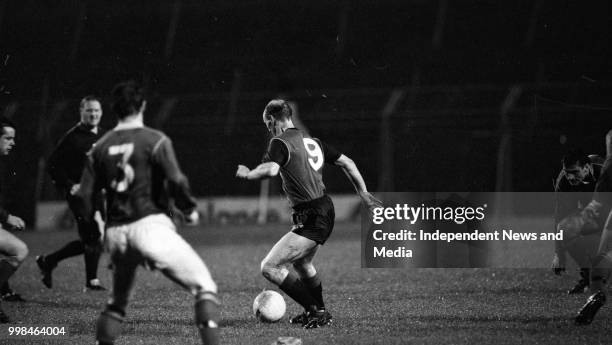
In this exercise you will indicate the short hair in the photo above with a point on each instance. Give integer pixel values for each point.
(4, 122)
(89, 98)
(128, 98)
(278, 109)
(575, 156)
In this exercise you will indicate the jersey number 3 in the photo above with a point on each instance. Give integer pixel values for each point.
(125, 174)
(315, 153)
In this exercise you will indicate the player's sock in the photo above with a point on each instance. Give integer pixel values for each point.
(207, 317)
(109, 325)
(5, 288)
(316, 290)
(92, 258)
(599, 273)
(295, 288)
(71, 249)
(6, 271)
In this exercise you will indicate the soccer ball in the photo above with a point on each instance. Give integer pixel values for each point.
(269, 306)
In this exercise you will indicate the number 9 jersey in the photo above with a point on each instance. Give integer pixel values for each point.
(137, 167)
(301, 160)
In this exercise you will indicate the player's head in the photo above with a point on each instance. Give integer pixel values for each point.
(7, 136)
(277, 116)
(128, 99)
(91, 111)
(577, 166)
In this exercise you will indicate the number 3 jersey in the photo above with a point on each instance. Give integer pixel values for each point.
(137, 167)
(301, 159)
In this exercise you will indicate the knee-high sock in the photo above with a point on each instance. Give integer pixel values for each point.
(71, 249)
(92, 258)
(316, 289)
(207, 318)
(600, 272)
(295, 288)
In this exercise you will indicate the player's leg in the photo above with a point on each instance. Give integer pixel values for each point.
(15, 251)
(92, 250)
(581, 248)
(47, 263)
(600, 272)
(162, 248)
(125, 263)
(308, 274)
(287, 250)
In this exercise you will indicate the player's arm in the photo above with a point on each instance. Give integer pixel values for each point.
(333, 156)
(262, 171)
(276, 156)
(352, 172)
(57, 165)
(178, 184)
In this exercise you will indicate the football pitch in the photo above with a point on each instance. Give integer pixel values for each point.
(370, 306)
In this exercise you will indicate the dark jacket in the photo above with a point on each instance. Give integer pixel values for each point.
(67, 160)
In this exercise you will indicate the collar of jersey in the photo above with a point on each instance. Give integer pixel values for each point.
(129, 125)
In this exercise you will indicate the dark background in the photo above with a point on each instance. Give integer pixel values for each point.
(489, 94)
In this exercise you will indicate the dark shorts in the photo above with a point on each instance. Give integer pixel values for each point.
(314, 219)
(89, 231)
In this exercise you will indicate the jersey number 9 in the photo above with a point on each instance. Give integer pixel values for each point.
(316, 154)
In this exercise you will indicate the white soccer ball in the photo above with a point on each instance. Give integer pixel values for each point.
(269, 306)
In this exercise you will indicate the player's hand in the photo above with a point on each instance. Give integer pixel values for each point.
(558, 264)
(193, 218)
(370, 201)
(75, 188)
(242, 171)
(15, 222)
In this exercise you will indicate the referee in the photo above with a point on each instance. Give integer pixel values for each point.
(65, 167)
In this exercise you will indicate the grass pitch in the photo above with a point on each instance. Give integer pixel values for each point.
(370, 306)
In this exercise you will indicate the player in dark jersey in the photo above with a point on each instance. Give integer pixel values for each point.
(65, 167)
(573, 191)
(601, 267)
(137, 168)
(299, 159)
(12, 248)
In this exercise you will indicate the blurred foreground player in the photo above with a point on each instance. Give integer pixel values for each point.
(602, 263)
(574, 189)
(137, 167)
(299, 159)
(65, 167)
(12, 248)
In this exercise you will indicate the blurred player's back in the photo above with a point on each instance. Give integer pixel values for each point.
(131, 161)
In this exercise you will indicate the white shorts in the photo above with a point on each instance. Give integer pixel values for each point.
(153, 242)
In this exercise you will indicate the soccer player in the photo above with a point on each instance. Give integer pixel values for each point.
(13, 249)
(65, 167)
(137, 167)
(299, 159)
(601, 267)
(573, 191)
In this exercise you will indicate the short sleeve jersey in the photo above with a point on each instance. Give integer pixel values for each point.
(301, 159)
(132, 165)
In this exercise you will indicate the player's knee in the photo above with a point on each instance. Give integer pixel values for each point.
(21, 251)
(268, 269)
(203, 287)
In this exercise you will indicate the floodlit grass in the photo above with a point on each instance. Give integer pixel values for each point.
(370, 306)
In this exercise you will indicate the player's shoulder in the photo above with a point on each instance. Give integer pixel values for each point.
(70, 133)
